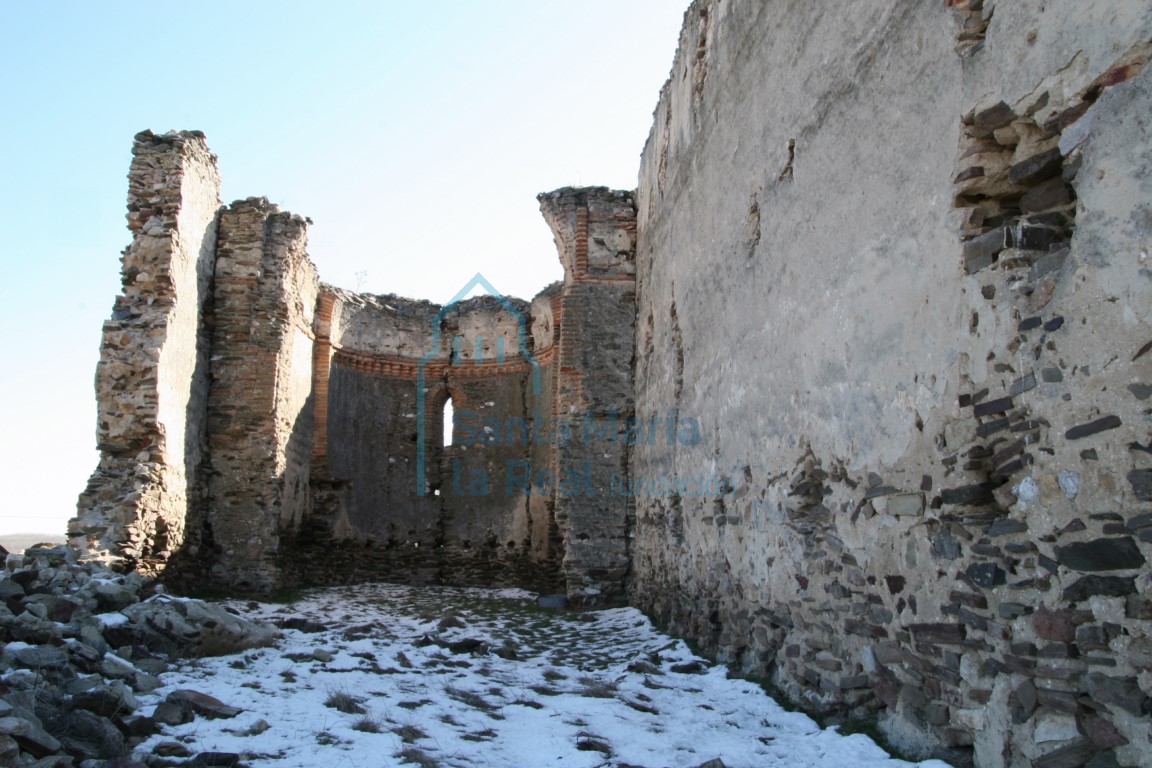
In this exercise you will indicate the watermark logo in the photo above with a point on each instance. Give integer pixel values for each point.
(585, 442)
(434, 355)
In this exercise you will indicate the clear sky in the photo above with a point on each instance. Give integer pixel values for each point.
(415, 135)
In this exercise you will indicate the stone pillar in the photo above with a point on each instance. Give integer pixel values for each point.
(595, 231)
(151, 381)
(260, 404)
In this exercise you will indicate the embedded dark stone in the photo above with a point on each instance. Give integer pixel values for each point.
(1093, 427)
(992, 427)
(981, 252)
(913, 696)
(895, 584)
(1058, 651)
(1023, 649)
(1057, 700)
(1142, 351)
(1054, 324)
(1140, 391)
(1014, 466)
(974, 172)
(966, 495)
(1140, 521)
(1023, 385)
(1019, 666)
(880, 490)
(888, 653)
(970, 599)
(1030, 323)
(974, 620)
(1117, 554)
(1052, 375)
(856, 681)
(1105, 759)
(1074, 755)
(1089, 455)
(986, 575)
(994, 117)
(1025, 695)
(1123, 692)
(1054, 625)
(1004, 526)
(1091, 637)
(1013, 610)
(1101, 731)
(1000, 405)
(1141, 480)
(1031, 238)
(1053, 262)
(946, 634)
(1053, 193)
(1105, 586)
(1139, 607)
(1037, 168)
(1099, 661)
(1074, 526)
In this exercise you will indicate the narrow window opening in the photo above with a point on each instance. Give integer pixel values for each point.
(449, 415)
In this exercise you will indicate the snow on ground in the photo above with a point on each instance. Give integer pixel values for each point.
(578, 690)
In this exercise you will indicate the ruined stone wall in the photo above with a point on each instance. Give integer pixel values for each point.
(260, 403)
(405, 506)
(313, 451)
(892, 261)
(151, 382)
(595, 233)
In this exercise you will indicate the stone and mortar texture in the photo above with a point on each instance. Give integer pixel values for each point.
(893, 257)
(882, 301)
(259, 428)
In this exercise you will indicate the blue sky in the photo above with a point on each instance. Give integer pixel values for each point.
(415, 135)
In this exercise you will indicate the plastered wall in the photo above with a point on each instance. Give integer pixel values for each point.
(892, 259)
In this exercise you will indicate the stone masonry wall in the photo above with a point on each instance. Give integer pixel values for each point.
(595, 233)
(313, 451)
(467, 518)
(151, 382)
(893, 261)
(260, 405)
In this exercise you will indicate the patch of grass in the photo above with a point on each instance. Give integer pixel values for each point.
(342, 701)
(588, 743)
(367, 724)
(417, 757)
(326, 739)
(552, 675)
(597, 689)
(409, 734)
(474, 700)
(414, 704)
(544, 690)
(486, 735)
(529, 703)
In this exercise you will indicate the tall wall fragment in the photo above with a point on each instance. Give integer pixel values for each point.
(595, 232)
(893, 260)
(152, 381)
(260, 408)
